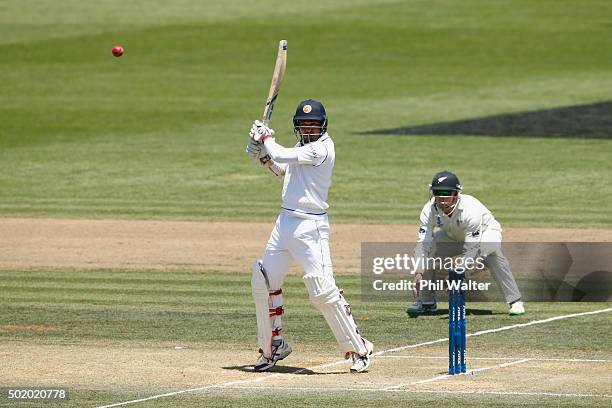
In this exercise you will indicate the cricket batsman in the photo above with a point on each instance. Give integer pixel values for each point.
(301, 234)
(455, 224)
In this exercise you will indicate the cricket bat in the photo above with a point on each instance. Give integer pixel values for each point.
(277, 78)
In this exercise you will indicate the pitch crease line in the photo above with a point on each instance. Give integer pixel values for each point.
(447, 376)
(561, 360)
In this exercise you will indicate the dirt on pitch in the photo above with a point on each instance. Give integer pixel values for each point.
(61, 244)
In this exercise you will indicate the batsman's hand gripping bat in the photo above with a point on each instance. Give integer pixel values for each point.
(277, 77)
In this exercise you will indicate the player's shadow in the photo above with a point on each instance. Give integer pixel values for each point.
(479, 312)
(283, 369)
(276, 369)
(593, 121)
(468, 312)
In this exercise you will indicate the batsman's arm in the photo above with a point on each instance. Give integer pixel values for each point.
(258, 153)
(263, 136)
(278, 169)
(313, 153)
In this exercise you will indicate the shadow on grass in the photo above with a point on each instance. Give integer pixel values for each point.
(283, 369)
(468, 312)
(593, 121)
(276, 369)
(480, 312)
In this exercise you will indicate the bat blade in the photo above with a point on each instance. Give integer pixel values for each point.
(277, 78)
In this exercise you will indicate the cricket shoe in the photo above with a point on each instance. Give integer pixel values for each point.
(280, 350)
(517, 308)
(420, 308)
(361, 363)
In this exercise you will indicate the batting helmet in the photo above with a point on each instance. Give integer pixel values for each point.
(310, 109)
(445, 180)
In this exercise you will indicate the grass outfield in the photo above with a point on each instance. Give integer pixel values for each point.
(131, 321)
(160, 132)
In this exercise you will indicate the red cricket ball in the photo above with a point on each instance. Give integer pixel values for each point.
(117, 50)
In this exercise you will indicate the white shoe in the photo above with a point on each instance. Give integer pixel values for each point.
(280, 350)
(516, 309)
(361, 363)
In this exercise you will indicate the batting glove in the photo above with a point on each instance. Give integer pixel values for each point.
(260, 132)
(255, 150)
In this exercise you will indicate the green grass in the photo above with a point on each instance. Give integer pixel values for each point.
(160, 132)
(164, 306)
(155, 309)
(250, 398)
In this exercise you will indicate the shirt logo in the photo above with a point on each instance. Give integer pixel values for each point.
(307, 108)
(441, 179)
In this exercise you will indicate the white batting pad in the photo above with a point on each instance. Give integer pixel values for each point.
(261, 296)
(327, 299)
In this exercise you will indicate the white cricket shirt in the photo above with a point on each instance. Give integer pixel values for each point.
(308, 175)
(466, 224)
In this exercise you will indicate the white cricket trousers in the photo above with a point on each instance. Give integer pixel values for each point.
(299, 240)
(305, 241)
(494, 260)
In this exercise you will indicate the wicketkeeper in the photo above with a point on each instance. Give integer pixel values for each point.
(301, 234)
(454, 224)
